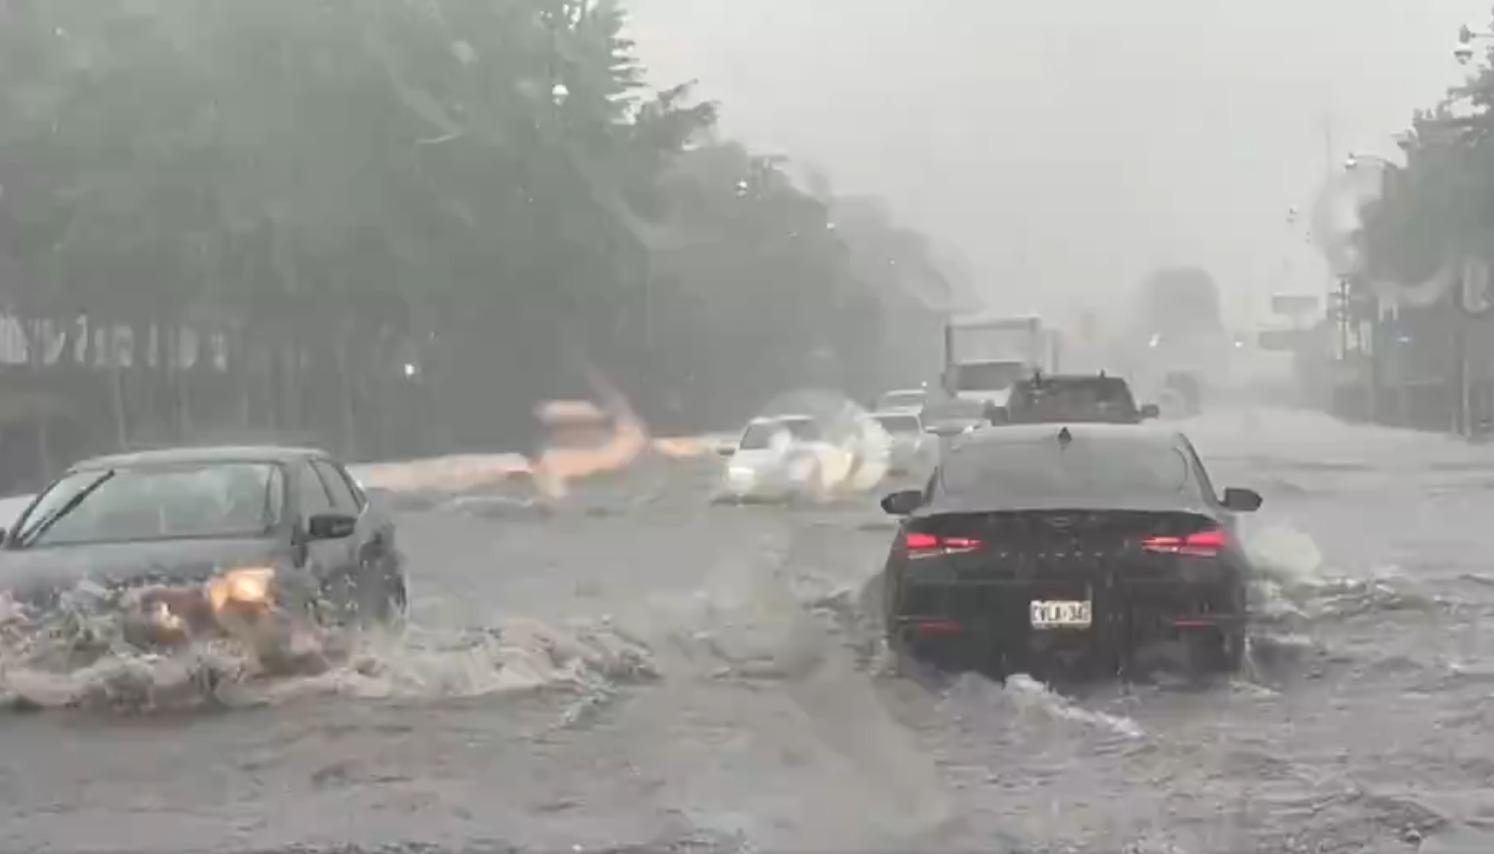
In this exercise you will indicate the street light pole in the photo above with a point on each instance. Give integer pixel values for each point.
(1369, 346)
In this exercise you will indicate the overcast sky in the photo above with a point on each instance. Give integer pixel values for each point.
(1066, 148)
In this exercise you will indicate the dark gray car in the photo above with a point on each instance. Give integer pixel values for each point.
(249, 526)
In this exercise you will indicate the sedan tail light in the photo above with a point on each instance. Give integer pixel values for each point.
(1206, 543)
(920, 544)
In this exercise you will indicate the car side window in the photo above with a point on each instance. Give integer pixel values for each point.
(342, 496)
(359, 498)
(311, 492)
(275, 497)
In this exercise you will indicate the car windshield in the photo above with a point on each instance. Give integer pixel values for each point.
(1078, 474)
(987, 376)
(155, 503)
(760, 436)
(802, 429)
(899, 424)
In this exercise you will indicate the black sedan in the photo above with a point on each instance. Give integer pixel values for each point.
(1059, 550)
(179, 540)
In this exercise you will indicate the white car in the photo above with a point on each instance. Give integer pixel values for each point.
(783, 457)
(910, 446)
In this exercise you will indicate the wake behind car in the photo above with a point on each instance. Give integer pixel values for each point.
(185, 543)
(1059, 550)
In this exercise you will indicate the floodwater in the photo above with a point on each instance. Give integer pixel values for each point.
(646, 671)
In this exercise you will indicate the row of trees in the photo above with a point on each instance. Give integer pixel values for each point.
(427, 206)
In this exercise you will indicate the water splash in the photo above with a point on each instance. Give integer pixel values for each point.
(1023, 697)
(76, 659)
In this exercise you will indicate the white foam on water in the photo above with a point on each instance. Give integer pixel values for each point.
(1285, 554)
(1025, 697)
(421, 663)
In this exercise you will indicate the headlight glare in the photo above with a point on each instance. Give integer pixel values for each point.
(247, 586)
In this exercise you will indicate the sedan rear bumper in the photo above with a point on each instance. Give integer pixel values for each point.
(990, 625)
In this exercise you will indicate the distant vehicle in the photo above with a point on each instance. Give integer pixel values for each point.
(1181, 389)
(902, 399)
(988, 382)
(1065, 550)
(1074, 398)
(181, 540)
(911, 446)
(778, 458)
(1177, 331)
(986, 338)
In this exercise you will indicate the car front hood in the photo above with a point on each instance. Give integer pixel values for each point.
(41, 573)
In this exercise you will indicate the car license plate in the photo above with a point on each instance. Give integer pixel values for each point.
(1060, 614)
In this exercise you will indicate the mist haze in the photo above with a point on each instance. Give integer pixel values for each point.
(1066, 149)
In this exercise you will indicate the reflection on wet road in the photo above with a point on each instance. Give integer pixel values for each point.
(645, 669)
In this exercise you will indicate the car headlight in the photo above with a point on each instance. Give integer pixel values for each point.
(246, 586)
(163, 617)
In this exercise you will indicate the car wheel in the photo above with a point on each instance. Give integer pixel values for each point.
(1216, 652)
(372, 594)
(382, 597)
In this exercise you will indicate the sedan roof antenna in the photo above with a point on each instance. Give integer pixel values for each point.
(1064, 437)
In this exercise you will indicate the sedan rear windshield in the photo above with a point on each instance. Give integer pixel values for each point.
(232, 499)
(1076, 475)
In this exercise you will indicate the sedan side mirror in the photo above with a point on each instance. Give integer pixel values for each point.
(1151, 410)
(1242, 500)
(902, 503)
(330, 526)
(725, 450)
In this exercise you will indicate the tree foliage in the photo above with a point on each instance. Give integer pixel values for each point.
(1441, 205)
(480, 188)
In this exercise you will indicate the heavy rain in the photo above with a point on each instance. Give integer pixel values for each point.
(745, 426)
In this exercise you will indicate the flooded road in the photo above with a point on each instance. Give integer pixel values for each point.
(649, 672)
